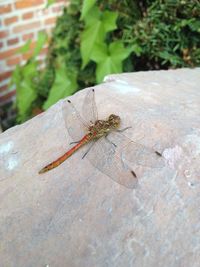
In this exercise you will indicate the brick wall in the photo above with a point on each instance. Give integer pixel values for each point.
(21, 20)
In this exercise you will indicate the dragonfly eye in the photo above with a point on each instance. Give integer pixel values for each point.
(114, 120)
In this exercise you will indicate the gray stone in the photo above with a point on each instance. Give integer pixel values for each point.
(75, 215)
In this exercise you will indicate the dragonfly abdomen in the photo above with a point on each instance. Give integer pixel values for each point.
(65, 156)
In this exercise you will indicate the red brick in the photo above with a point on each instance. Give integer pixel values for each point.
(3, 34)
(5, 9)
(28, 15)
(7, 96)
(8, 53)
(25, 27)
(28, 3)
(13, 41)
(10, 20)
(13, 61)
(5, 75)
(57, 9)
(28, 36)
(44, 11)
(50, 21)
(3, 88)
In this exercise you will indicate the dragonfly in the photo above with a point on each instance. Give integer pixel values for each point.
(107, 148)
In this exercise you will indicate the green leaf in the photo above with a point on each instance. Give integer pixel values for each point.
(26, 93)
(25, 97)
(25, 48)
(65, 84)
(109, 20)
(195, 26)
(137, 49)
(118, 51)
(16, 76)
(106, 67)
(100, 52)
(49, 3)
(95, 32)
(87, 5)
(109, 58)
(41, 40)
(94, 15)
(169, 57)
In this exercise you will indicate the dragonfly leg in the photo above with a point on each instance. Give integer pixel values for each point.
(87, 150)
(122, 130)
(110, 141)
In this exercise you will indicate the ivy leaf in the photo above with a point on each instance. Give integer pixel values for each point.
(64, 85)
(118, 50)
(109, 59)
(41, 40)
(16, 76)
(97, 25)
(94, 15)
(26, 93)
(49, 3)
(109, 18)
(87, 5)
(25, 48)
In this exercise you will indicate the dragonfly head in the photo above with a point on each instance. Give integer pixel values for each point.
(114, 121)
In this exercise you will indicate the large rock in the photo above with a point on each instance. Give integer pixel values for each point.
(76, 215)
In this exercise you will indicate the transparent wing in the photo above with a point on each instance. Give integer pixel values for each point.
(137, 153)
(89, 109)
(104, 157)
(142, 155)
(74, 123)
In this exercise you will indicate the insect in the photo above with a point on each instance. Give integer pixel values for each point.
(103, 138)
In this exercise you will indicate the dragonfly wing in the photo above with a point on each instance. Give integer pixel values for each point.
(89, 109)
(142, 155)
(74, 123)
(137, 153)
(104, 157)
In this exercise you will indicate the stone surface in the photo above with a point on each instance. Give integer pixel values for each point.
(75, 215)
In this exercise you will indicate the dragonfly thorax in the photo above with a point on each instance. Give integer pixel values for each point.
(102, 127)
(114, 121)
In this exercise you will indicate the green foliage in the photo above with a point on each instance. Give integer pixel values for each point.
(108, 37)
(26, 93)
(109, 58)
(63, 86)
(168, 34)
(87, 5)
(97, 24)
(23, 78)
(49, 3)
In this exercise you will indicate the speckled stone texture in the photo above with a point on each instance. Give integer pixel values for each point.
(74, 215)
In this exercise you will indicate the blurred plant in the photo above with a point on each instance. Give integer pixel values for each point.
(49, 3)
(167, 36)
(108, 37)
(24, 76)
